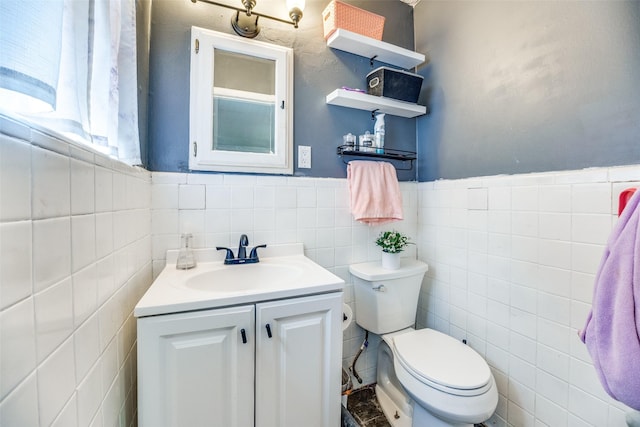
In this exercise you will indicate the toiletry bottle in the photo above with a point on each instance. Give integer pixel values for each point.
(378, 131)
(366, 142)
(186, 259)
(349, 140)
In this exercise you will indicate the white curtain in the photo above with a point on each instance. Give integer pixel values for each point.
(70, 65)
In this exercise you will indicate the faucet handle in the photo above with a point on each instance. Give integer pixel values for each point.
(254, 251)
(229, 255)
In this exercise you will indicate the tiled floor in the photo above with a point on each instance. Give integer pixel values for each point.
(363, 406)
(363, 410)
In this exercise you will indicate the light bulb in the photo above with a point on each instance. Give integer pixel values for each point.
(292, 4)
(295, 10)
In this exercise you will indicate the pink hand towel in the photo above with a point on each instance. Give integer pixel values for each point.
(374, 192)
(612, 330)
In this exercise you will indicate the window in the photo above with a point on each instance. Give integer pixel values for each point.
(69, 66)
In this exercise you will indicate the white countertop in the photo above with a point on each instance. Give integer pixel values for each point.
(177, 291)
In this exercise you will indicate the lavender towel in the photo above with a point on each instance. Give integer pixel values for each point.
(612, 330)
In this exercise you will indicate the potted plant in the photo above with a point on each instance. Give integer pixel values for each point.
(392, 243)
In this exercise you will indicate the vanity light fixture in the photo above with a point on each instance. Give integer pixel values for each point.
(245, 21)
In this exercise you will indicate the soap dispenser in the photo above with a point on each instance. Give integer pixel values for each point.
(378, 132)
(186, 258)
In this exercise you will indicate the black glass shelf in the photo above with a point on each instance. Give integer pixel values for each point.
(380, 153)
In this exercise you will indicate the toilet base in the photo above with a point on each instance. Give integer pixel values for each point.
(420, 418)
(423, 418)
(391, 410)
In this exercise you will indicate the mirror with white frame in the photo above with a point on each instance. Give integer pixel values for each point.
(241, 105)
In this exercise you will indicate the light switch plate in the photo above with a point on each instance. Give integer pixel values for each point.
(304, 157)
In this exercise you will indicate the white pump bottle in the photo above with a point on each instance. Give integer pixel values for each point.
(378, 131)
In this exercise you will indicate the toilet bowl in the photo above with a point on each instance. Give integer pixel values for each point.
(424, 377)
(449, 385)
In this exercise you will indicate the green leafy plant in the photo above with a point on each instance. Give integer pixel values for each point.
(392, 241)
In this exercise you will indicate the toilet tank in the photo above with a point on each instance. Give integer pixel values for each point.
(387, 300)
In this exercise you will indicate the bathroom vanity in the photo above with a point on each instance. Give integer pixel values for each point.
(241, 345)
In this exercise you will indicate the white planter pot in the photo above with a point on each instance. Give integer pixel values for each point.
(390, 261)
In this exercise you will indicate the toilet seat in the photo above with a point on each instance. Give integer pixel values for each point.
(441, 362)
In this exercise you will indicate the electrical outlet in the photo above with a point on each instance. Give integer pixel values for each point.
(304, 157)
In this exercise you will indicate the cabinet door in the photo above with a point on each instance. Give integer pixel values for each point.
(195, 370)
(298, 368)
(241, 104)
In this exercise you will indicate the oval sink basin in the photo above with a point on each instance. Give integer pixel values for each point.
(244, 278)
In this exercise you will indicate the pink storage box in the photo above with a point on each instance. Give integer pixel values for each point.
(342, 15)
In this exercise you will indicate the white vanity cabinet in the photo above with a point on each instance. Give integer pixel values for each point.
(195, 368)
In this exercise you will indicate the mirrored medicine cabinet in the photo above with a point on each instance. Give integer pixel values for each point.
(241, 104)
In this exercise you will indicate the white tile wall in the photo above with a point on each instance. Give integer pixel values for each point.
(545, 235)
(512, 263)
(218, 208)
(75, 256)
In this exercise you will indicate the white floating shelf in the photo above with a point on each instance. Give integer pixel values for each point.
(369, 48)
(363, 101)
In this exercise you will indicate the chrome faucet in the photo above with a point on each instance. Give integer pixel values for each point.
(242, 252)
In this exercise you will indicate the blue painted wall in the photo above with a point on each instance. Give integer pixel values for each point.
(528, 86)
(318, 71)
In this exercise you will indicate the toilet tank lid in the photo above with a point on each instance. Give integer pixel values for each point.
(373, 271)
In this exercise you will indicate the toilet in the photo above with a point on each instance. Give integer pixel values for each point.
(424, 378)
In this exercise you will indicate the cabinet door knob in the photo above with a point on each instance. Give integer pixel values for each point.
(268, 330)
(244, 336)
